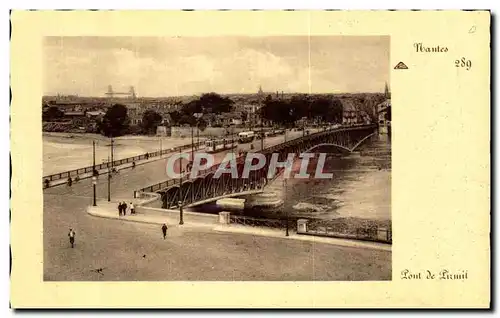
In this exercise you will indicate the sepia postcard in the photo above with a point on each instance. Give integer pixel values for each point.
(250, 159)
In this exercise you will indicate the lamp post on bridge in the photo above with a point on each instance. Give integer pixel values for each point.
(262, 127)
(192, 144)
(284, 194)
(232, 141)
(198, 118)
(181, 213)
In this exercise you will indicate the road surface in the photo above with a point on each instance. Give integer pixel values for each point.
(135, 252)
(126, 181)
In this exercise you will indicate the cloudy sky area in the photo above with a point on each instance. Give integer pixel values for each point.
(185, 66)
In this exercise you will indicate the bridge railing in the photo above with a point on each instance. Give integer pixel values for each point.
(89, 169)
(367, 230)
(251, 221)
(240, 159)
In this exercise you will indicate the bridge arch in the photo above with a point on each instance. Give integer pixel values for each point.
(341, 148)
(206, 188)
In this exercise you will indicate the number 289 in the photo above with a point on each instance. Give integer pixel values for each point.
(463, 63)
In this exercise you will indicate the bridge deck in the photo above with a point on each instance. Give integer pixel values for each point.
(127, 181)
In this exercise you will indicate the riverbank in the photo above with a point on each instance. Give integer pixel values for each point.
(64, 151)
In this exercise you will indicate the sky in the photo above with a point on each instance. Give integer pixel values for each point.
(174, 66)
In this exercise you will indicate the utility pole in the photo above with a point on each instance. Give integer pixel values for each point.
(109, 182)
(181, 216)
(197, 136)
(284, 202)
(112, 162)
(192, 144)
(261, 128)
(94, 179)
(232, 141)
(284, 194)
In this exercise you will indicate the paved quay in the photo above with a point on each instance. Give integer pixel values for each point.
(110, 211)
(128, 250)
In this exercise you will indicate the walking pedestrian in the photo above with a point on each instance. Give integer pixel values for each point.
(71, 235)
(70, 182)
(132, 211)
(124, 208)
(120, 207)
(164, 230)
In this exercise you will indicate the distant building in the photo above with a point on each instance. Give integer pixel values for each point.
(382, 111)
(353, 115)
(166, 119)
(95, 114)
(350, 115)
(230, 119)
(134, 113)
(163, 131)
(74, 114)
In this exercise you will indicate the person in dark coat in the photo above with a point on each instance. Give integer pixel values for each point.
(124, 208)
(71, 235)
(164, 230)
(120, 208)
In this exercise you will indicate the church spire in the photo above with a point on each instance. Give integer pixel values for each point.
(260, 90)
(387, 93)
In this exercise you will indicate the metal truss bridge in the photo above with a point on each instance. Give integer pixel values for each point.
(205, 188)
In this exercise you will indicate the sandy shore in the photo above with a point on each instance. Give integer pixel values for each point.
(65, 151)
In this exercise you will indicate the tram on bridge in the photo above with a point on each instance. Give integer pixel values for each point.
(218, 145)
(246, 137)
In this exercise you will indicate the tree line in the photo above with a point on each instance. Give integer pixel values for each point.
(116, 122)
(284, 112)
(287, 112)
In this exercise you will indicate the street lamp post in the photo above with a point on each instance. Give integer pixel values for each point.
(261, 128)
(197, 136)
(232, 141)
(94, 178)
(94, 182)
(284, 189)
(160, 147)
(112, 152)
(198, 118)
(192, 144)
(286, 210)
(181, 213)
(109, 182)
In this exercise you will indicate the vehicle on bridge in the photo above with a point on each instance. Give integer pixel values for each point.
(217, 145)
(245, 137)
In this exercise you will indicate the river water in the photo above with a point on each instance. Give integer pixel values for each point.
(360, 187)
